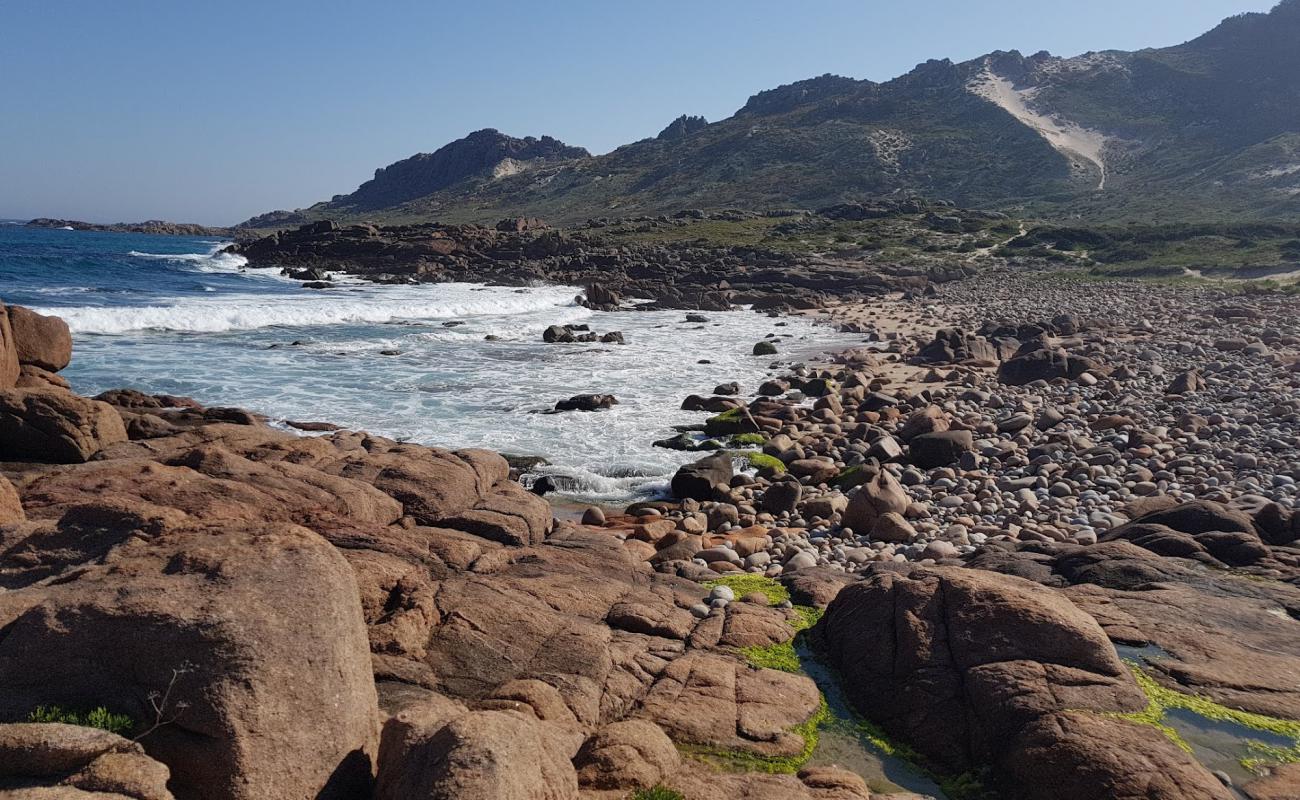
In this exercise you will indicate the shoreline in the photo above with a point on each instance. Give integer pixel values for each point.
(1006, 471)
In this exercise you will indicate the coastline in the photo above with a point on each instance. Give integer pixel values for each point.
(882, 488)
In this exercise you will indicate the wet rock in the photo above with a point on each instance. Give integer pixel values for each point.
(1008, 665)
(587, 402)
(701, 479)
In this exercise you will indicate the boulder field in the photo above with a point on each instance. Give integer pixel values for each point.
(197, 604)
(343, 616)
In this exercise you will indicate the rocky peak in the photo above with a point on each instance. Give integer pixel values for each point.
(682, 127)
(790, 96)
(475, 154)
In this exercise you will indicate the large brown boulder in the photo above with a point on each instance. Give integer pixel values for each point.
(1199, 529)
(42, 341)
(627, 755)
(54, 760)
(55, 426)
(477, 755)
(971, 668)
(870, 501)
(1073, 755)
(699, 480)
(244, 643)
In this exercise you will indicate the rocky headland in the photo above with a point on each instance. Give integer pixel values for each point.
(157, 227)
(673, 273)
(1029, 530)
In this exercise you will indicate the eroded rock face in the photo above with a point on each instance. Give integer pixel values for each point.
(251, 632)
(55, 426)
(974, 668)
(627, 755)
(476, 755)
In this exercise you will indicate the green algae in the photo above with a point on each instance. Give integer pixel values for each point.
(760, 461)
(748, 440)
(745, 761)
(1161, 700)
(748, 583)
(786, 657)
(657, 793)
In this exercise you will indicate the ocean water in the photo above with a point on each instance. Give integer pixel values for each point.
(172, 315)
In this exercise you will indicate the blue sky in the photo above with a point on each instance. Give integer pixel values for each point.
(211, 112)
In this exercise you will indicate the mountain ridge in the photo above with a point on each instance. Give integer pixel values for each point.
(1205, 129)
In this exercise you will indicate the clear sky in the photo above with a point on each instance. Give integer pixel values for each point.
(214, 110)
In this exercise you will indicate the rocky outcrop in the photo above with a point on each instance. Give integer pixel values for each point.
(41, 341)
(475, 755)
(974, 668)
(55, 426)
(243, 644)
(56, 760)
(474, 155)
(675, 275)
(251, 599)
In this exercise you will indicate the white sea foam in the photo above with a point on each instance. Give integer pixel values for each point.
(236, 312)
(482, 382)
(212, 261)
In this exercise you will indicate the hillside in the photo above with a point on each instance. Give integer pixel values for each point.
(1206, 129)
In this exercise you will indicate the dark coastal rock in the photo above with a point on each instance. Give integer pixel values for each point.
(1186, 382)
(1038, 365)
(587, 402)
(601, 296)
(698, 481)
(952, 345)
(1199, 529)
(939, 449)
(764, 349)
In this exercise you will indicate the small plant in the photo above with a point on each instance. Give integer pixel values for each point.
(166, 711)
(657, 793)
(100, 717)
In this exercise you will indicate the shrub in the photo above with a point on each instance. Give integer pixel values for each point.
(99, 717)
